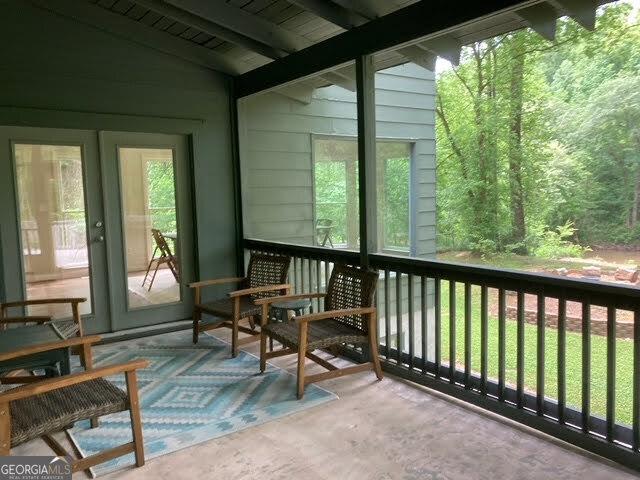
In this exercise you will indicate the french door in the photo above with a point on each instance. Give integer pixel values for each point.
(80, 209)
(149, 224)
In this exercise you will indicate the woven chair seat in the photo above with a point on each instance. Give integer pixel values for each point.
(224, 308)
(321, 334)
(53, 411)
(67, 328)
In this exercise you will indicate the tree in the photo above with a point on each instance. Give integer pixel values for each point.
(533, 135)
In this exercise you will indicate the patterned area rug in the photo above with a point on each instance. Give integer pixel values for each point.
(191, 394)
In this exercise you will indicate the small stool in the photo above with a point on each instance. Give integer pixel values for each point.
(280, 312)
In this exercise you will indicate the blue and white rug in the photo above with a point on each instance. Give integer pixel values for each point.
(191, 394)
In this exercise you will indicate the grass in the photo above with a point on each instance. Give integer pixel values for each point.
(624, 357)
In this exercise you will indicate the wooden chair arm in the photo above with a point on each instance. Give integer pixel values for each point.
(286, 298)
(73, 301)
(30, 319)
(265, 288)
(68, 380)
(312, 317)
(217, 281)
(45, 347)
(42, 301)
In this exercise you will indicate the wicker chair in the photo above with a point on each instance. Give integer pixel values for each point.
(37, 410)
(266, 277)
(348, 318)
(68, 328)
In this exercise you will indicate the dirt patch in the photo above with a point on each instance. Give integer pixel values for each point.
(624, 318)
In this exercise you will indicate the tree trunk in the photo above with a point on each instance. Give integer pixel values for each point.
(487, 195)
(516, 187)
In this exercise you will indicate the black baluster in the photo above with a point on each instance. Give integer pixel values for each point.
(562, 358)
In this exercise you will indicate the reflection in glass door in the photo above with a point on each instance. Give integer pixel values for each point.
(150, 228)
(53, 221)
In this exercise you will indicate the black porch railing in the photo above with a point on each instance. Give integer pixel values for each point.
(531, 347)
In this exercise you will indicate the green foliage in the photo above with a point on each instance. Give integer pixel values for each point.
(162, 197)
(556, 243)
(396, 202)
(539, 143)
(331, 197)
(484, 246)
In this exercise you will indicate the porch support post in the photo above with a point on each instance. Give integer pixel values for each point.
(366, 156)
(237, 180)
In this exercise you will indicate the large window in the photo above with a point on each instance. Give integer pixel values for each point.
(336, 193)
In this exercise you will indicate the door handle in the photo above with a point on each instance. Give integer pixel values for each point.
(99, 238)
(98, 224)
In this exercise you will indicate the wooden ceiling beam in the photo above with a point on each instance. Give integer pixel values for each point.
(445, 47)
(245, 23)
(332, 12)
(253, 27)
(340, 79)
(214, 29)
(300, 92)
(369, 9)
(419, 56)
(137, 32)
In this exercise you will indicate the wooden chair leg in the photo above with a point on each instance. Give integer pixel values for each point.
(375, 358)
(134, 411)
(197, 315)
(149, 266)
(263, 352)
(302, 350)
(5, 429)
(234, 327)
(86, 359)
(86, 356)
(77, 319)
(173, 266)
(264, 319)
(373, 346)
(155, 272)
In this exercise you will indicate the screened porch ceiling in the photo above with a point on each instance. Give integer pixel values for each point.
(237, 36)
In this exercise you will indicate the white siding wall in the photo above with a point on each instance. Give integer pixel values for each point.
(276, 151)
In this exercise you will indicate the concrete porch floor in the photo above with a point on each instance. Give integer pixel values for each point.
(376, 430)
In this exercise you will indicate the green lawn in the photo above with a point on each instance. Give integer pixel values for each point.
(624, 357)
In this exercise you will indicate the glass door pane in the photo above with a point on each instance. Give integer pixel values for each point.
(150, 230)
(53, 225)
